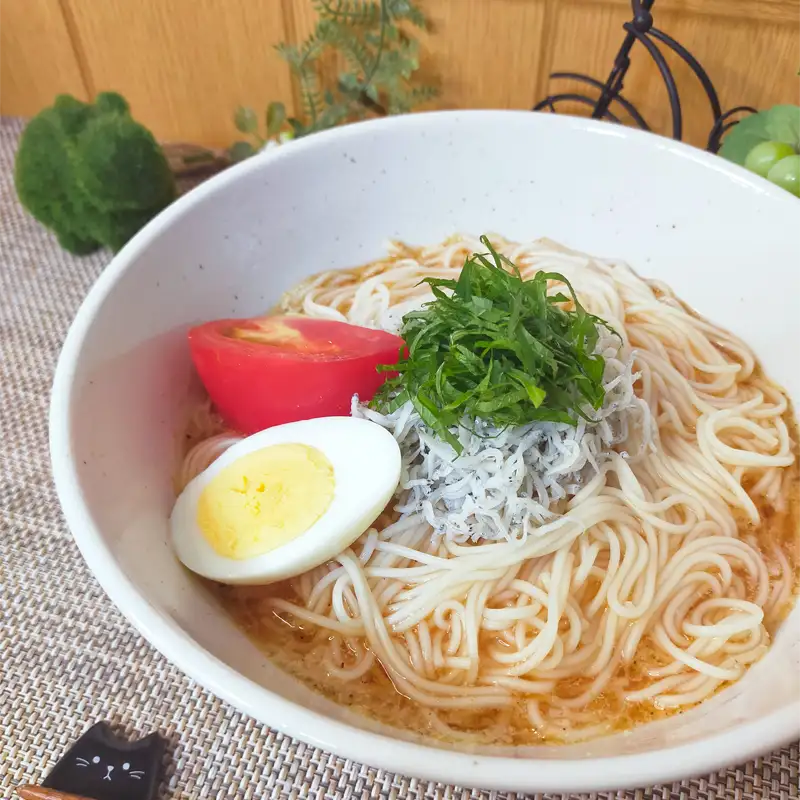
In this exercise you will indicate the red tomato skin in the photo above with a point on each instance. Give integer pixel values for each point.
(256, 386)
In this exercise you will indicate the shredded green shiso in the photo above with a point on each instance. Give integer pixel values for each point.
(494, 347)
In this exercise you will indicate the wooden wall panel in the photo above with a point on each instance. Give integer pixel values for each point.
(750, 60)
(37, 60)
(486, 53)
(482, 54)
(184, 65)
(763, 10)
(751, 63)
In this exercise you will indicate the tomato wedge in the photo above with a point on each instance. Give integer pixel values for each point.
(266, 371)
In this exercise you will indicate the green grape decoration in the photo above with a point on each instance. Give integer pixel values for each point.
(778, 163)
(768, 144)
(763, 157)
(786, 174)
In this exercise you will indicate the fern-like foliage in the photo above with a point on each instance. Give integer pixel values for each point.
(353, 12)
(371, 38)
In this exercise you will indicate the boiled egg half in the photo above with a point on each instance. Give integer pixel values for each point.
(285, 500)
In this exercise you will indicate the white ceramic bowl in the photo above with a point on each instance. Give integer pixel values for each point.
(724, 239)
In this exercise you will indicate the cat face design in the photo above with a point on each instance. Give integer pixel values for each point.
(102, 766)
(98, 763)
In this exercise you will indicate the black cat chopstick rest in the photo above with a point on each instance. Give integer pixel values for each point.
(101, 766)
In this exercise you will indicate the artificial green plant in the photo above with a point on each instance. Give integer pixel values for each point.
(372, 40)
(91, 173)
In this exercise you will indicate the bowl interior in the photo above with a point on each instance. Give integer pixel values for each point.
(725, 241)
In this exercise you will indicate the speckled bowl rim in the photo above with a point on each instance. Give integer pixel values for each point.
(735, 745)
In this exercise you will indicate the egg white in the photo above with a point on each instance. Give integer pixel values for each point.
(366, 464)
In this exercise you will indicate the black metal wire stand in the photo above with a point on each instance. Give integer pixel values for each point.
(642, 31)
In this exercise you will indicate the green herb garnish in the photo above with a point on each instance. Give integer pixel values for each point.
(495, 347)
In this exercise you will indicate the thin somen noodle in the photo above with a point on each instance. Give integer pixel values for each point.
(649, 565)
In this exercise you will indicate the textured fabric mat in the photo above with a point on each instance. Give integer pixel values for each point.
(69, 658)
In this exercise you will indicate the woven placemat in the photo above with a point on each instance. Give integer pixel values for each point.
(68, 657)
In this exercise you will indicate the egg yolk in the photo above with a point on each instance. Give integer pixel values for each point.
(265, 499)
